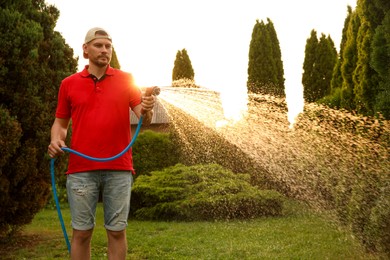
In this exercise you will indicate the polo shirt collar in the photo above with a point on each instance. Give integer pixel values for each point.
(85, 73)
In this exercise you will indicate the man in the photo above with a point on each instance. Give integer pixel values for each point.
(97, 101)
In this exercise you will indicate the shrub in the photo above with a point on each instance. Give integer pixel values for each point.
(184, 83)
(201, 192)
(379, 222)
(333, 100)
(10, 134)
(34, 60)
(153, 151)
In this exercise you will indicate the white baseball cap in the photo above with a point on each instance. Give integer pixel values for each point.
(96, 33)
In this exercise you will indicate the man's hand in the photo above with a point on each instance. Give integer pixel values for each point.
(147, 103)
(147, 108)
(58, 135)
(54, 148)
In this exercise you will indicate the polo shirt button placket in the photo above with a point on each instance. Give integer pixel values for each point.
(96, 81)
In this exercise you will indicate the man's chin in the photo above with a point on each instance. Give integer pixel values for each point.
(101, 63)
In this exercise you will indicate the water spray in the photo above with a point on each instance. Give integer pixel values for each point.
(148, 92)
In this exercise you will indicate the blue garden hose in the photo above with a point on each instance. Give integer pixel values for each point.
(52, 171)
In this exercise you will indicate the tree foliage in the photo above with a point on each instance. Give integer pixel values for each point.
(361, 77)
(308, 77)
(265, 66)
(349, 63)
(380, 60)
(365, 77)
(114, 60)
(320, 60)
(334, 99)
(182, 69)
(33, 60)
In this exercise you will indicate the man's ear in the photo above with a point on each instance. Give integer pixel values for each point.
(85, 51)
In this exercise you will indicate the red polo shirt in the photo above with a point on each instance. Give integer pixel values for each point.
(100, 118)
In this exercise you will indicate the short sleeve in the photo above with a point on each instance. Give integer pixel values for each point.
(135, 93)
(63, 106)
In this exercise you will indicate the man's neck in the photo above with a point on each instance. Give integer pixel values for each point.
(97, 71)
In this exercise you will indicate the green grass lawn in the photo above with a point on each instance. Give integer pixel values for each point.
(298, 235)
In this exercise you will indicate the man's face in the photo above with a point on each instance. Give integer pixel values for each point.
(99, 51)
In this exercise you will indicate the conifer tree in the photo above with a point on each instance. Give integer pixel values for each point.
(254, 83)
(349, 63)
(365, 77)
(363, 87)
(380, 61)
(309, 76)
(182, 69)
(334, 98)
(277, 60)
(327, 58)
(114, 60)
(265, 66)
(320, 59)
(34, 60)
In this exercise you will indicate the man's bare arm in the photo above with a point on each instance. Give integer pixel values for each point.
(59, 131)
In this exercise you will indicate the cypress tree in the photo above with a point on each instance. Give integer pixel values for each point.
(34, 60)
(337, 79)
(182, 67)
(309, 63)
(114, 60)
(365, 77)
(380, 60)
(265, 60)
(363, 86)
(349, 63)
(277, 60)
(253, 82)
(319, 63)
(326, 60)
(265, 66)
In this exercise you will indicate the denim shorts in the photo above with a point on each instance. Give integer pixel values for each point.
(83, 195)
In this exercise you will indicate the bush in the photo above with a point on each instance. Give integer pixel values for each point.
(153, 151)
(333, 100)
(378, 229)
(10, 134)
(201, 192)
(382, 104)
(34, 60)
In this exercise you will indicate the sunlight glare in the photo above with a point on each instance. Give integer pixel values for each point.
(234, 101)
(234, 104)
(294, 97)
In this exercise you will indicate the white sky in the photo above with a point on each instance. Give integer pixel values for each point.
(216, 34)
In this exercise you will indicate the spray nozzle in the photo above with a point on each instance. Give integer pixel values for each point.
(152, 91)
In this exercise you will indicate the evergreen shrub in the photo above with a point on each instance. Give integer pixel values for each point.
(201, 192)
(34, 58)
(10, 134)
(153, 151)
